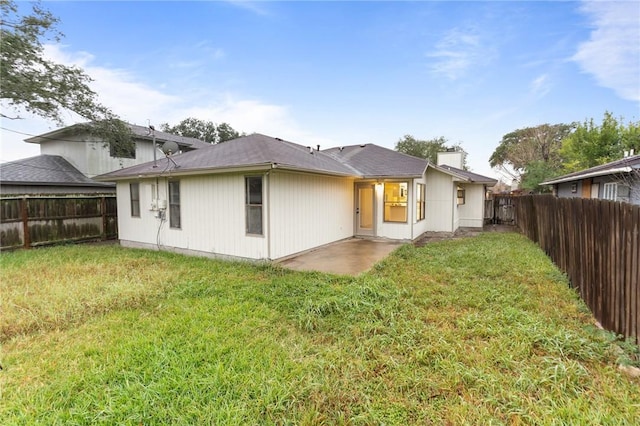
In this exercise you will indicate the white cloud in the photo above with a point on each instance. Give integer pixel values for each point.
(540, 86)
(257, 7)
(254, 116)
(136, 102)
(457, 52)
(612, 54)
(132, 100)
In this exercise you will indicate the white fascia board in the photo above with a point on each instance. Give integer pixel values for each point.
(588, 175)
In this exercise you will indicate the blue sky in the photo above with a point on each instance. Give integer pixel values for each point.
(342, 73)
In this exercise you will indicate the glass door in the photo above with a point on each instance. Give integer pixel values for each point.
(365, 198)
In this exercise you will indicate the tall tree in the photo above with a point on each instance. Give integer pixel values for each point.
(527, 148)
(592, 144)
(427, 149)
(206, 131)
(31, 82)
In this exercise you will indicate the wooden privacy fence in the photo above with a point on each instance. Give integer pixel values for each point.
(499, 209)
(597, 244)
(30, 221)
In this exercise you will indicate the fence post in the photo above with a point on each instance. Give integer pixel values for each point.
(24, 214)
(103, 210)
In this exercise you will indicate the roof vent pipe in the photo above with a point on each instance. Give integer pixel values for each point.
(318, 147)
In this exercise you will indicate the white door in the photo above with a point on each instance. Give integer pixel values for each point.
(365, 217)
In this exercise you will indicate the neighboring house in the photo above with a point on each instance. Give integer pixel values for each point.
(618, 181)
(47, 174)
(92, 157)
(259, 197)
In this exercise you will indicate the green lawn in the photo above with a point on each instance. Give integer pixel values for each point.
(474, 331)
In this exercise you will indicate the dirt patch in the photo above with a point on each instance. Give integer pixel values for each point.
(430, 237)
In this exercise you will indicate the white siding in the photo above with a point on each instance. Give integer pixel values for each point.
(420, 227)
(470, 213)
(92, 158)
(308, 211)
(396, 230)
(212, 218)
(440, 202)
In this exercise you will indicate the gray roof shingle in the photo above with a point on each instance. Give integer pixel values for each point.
(248, 151)
(373, 161)
(603, 169)
(140, 132)
(45, 170)
(257, 150)
(470, 176)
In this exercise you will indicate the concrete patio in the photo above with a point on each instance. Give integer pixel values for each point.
(347, 257)
(357, 255)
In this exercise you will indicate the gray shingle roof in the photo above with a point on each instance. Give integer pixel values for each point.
(140, 132)
(470, 176)
(254, 150)
(260, 151)
(601, 170)
(373, 161)
(45, 170)
(143, 133)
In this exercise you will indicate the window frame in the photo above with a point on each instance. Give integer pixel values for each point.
(461, 195)
(397, 203)
(251, 205)
(610, 191)
(134, 197)
(130, 154)
(175, 219)
(420, 201)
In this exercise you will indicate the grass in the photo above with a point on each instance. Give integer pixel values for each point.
(474, 331)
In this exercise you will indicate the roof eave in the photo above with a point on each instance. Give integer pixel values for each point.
(451, 173)
(105, 184)
(588, 175)
(188, 172)
(394, 176)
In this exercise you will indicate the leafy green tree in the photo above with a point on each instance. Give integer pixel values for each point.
(592, 144)
(427, 149)
(527, 148)
(206, 131)
(31, 82)
(535, 173)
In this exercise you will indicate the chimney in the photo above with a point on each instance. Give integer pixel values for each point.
(451, 158)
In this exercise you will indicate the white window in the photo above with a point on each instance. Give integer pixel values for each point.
(610, 191)
(253, 204)
(460, 195)
(395, 202)
(174, 204)
(420, 202)
(134, 190)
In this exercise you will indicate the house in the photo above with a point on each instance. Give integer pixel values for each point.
(618, 181)
(263, 198)
(89, 154)
(47, 174)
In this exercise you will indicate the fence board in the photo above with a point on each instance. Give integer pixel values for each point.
(37, 220)
(597, 244)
